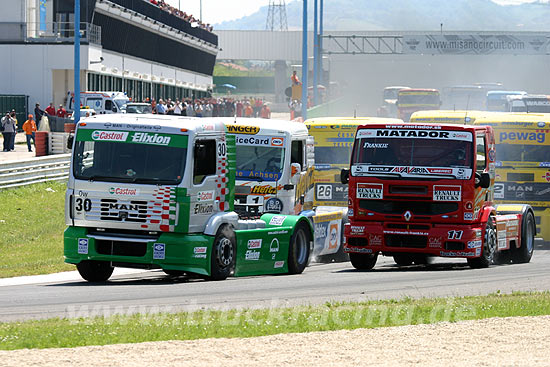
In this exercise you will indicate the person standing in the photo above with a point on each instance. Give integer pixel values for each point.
(8, 125)
(38, 112)
(61, 112)
(29, 127)
(50, 110)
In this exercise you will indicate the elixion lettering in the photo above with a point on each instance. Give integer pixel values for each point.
(151, 139)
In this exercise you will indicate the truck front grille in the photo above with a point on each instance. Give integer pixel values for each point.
(120, 248)
(127, 211)
(405, 241)
(397, 207)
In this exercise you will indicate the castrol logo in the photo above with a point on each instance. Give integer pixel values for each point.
(109, 135)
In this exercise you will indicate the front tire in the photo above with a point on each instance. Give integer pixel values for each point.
(363, 261)
(224, 250)
(489, 248)
(525, 252)
(95, 271)
(298, 249)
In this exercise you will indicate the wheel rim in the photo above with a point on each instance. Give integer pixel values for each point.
(224, 253)
(301, 246)
(490, 244)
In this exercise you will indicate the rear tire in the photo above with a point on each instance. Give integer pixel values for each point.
(524, 253)
(403, 259)
(95, 271)
(489, 248)
(363, 261)
(298, 249)
(224, 252)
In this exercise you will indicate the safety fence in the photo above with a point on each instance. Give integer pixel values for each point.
(35, 170)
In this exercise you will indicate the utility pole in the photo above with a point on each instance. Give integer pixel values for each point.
(315, 53)
(304, 61)
(76, 104)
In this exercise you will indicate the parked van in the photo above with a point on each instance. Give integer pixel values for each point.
(101, 102)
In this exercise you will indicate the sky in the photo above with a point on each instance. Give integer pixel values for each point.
(217, 11)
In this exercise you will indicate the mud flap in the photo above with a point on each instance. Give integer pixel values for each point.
(262, 251)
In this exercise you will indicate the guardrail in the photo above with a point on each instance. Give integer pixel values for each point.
(31, 171)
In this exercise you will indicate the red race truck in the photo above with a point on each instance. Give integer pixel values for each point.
(423, 190)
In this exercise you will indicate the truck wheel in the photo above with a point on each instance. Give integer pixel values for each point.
(524, 253)
(363, 261)
(222, 260)
(489, 248)
(403, 259)
(298, 249)
(95, 271)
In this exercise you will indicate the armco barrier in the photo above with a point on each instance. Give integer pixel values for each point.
(40, 169)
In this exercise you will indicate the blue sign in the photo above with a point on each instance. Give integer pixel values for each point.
(43, 15)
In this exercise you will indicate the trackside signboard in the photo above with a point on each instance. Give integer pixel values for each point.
(475, 44)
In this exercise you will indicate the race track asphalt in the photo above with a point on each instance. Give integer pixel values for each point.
(153, 291)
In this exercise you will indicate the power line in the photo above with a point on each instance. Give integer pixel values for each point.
(276, 16)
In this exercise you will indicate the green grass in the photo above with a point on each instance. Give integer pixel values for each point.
(32, 222)
(111, 329)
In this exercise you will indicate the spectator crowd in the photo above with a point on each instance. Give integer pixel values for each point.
(213, 107)
(181, 14)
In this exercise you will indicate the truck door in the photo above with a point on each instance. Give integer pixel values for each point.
(208, 181)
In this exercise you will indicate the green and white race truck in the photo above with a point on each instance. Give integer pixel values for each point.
(156, 192)
(275, 165)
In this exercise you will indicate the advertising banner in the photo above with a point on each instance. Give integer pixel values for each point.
(449, 44)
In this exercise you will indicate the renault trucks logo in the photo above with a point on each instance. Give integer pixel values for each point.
(109, 135)
(147, 138)
(123, 191)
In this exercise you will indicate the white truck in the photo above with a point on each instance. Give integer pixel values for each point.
(101, 102)
(150, 191)
(275, 166)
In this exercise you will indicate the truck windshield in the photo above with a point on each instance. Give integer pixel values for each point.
(259, 162)
(127, 162)
(424, 99)
(531, 105)
(332, 155)
(523, 153)
(404, 155)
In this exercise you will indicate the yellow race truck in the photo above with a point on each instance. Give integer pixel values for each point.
(523, 162)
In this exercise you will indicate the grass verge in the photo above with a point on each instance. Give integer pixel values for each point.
(32, 222)
(113, 326)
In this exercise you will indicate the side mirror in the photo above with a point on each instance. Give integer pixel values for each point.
(114, 109)
(70, 141)
(344, 176)
(295, 169)
(483, 180)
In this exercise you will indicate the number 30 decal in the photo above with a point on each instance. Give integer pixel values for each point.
(85, 204)
(222, 150)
